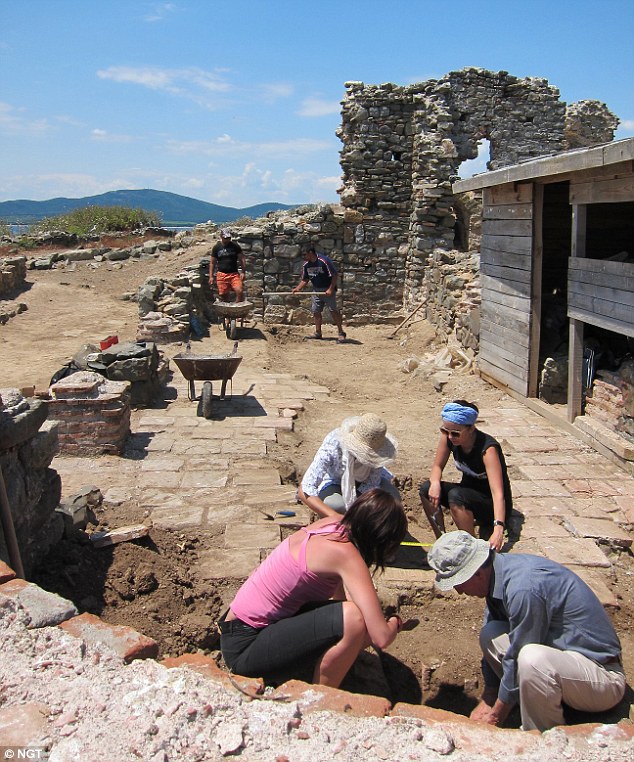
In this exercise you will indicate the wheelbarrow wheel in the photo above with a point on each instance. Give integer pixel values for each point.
(206, 400)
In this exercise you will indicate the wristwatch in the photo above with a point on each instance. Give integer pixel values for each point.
(498, 523)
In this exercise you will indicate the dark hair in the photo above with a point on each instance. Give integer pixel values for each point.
(464, 403)
(310, 250)
(376, 525)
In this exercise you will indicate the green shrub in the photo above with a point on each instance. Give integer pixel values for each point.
(5, 229)
(98, 220)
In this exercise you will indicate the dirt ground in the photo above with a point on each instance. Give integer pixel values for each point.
(148, 584)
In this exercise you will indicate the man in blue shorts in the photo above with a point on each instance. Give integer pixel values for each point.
(320, 271)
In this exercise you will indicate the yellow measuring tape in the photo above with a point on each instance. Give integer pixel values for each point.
(419, 544)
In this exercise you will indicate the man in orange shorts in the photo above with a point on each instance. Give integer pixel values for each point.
(226, 256)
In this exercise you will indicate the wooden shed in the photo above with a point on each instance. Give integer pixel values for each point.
(557, 239)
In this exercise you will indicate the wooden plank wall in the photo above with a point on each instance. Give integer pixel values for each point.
(601, 293)
(506, 272)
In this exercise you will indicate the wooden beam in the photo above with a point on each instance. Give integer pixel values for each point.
(592, 318)
(536, 290)
(507, 227)
(507, 212)
(603, 191)
(575, 369)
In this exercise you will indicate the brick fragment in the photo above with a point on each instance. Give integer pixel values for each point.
(6, 573)
(320, 698)
(125, 641)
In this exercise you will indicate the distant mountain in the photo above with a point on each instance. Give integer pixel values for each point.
(173, 209)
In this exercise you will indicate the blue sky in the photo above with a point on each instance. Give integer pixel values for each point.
(236, 102)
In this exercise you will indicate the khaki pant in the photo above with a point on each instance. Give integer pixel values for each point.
(547, 677)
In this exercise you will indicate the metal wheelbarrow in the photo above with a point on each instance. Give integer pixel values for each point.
(231, 313)
(207, 368)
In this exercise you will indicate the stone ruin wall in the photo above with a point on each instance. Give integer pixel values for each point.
(402, 149)
(28, 444)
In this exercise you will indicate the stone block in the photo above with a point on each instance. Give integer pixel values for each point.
(227, 564)
(574, 552)
(539, 526)
(603, 530)
(177, 515)
(241, 536)
(43, 609)
(282, 424)
(125, 641)
(199, 479)
(268, 477)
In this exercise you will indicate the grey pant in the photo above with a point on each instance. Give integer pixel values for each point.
(547, 677)
(335, 500)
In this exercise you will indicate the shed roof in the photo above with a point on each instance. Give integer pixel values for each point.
(551, 166)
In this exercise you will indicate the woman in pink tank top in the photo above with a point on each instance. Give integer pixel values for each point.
(312, 602)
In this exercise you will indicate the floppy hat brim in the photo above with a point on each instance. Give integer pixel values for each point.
(479, 557)
(377, 458)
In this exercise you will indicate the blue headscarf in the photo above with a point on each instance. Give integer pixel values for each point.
(456, 413)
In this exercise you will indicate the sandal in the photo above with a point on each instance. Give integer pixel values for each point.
(341, 338)
(315, 335)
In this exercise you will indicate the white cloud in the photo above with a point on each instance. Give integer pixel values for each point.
(318, 107)
(14, 120)
(225, 145)
(626, 125)
(192, 83)
(160, 11)
(104, 136)
(275, 91)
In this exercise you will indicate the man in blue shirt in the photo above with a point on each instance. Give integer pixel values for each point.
(319, 270)
(546, 638)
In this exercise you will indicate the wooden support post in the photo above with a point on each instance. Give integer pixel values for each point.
(575, 340)
(536, 290)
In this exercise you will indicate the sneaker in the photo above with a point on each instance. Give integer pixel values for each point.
(315, 335)
(341, 338)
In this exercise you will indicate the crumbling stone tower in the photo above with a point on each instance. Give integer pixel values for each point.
(403, 146)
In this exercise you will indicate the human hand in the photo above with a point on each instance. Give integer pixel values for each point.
(484, 713)
(434, 495)
(496, 541)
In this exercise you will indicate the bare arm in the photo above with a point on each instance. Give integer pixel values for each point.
(440, 461)
(345, 560)
(496, 483)
(316, 504)
(331, 288)
(300, 286)
(243, 264)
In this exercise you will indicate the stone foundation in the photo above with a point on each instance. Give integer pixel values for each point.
(28, 444)
(12, 274)
(92, 413)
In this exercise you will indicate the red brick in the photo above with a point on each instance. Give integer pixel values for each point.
(319, 698)
(125, 641)
(207, 667)
(6, 573)
(24, 725)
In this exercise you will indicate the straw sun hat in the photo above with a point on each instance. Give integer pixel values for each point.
(367, 438)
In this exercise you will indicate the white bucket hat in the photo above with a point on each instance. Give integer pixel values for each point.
(456, 557)
(367, 438)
